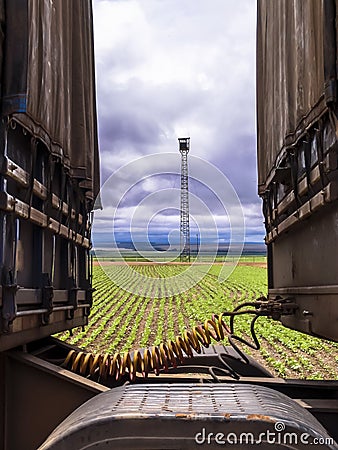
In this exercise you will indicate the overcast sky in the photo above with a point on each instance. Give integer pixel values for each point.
(175, 68)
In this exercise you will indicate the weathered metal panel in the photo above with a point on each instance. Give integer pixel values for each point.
(297, 157)
(184, 416)
(290, 76)
(35, 396)
(49, 167)
(49, 81)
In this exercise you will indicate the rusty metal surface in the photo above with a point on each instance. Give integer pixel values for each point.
(36, 394)
(171, 416)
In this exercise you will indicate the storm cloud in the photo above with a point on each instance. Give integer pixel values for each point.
(175, 68)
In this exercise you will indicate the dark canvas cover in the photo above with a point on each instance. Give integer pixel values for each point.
(48, 81)
(290, 75)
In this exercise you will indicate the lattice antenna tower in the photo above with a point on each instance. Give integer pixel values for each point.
(184, 145)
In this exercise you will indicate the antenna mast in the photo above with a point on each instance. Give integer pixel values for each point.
(184, 144)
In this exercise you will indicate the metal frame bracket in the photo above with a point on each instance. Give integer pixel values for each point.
(9, 289)
(47, 295)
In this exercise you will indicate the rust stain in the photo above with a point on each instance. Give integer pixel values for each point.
(184, 416)
(227, 416)
(260, 417)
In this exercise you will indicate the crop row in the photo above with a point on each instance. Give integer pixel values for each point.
(149, 312)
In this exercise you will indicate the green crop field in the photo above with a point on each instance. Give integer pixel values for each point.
(147, 315)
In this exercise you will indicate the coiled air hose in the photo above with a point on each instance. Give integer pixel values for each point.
(169, 354)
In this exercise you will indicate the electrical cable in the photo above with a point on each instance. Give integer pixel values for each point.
(172, 352)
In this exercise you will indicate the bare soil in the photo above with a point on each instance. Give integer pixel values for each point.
(150, 263)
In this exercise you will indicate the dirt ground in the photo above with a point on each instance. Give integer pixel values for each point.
(150, 263)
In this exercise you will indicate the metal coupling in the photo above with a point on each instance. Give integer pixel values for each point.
(277, 307)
